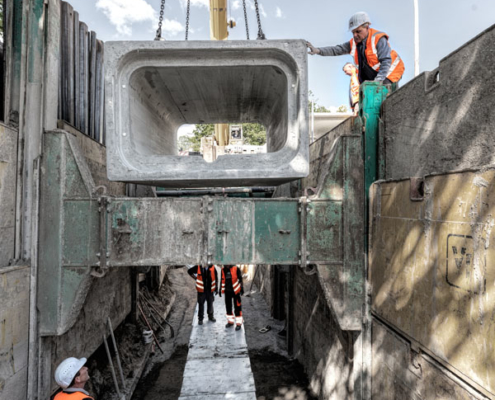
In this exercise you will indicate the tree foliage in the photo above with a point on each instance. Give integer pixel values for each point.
(253, 134)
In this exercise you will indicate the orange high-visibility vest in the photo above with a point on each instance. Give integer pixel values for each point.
(235, 280)
(72, 396)
(354, 88)
(396, 68)
(199, 280)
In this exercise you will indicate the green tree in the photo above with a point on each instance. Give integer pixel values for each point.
(342, 109)
(254, 134)
(313, 104)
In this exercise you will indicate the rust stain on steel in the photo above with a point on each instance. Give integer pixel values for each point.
(430, 268)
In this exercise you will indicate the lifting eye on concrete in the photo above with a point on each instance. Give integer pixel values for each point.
(152, 88)
(417, 189)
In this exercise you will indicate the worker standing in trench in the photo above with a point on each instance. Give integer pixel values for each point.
(371, 51)
(71, 375)
(233, 288)
(206, 286)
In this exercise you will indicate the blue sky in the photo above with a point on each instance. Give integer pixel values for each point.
(444, 26)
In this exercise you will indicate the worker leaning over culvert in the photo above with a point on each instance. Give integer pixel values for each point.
(71, 375)
(372, 54)
(233, 289)
(206, 286)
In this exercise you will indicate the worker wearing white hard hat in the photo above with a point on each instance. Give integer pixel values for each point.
(71, 375)
(370, 49)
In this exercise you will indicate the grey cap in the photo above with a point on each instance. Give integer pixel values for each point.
(358, 19)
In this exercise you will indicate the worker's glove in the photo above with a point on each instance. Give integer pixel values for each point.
(242, 291)
(215, 293)
(312, 50)
(219, 294)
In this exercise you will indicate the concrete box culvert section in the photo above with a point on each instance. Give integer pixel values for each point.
(152, 88)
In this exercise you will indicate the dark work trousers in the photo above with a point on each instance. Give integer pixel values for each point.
(236, 299)
(202, 297)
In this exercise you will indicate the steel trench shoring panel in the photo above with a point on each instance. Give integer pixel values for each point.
(176, 231)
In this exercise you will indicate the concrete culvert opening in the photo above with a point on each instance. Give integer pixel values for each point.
(213, 141)
(163, 99)
(153, 88)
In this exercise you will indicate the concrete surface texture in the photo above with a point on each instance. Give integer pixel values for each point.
(8, 178)
(430, 269)
(399, 372)
(326, 122)
(444, 119)
(218, 365)
(14, 321)
(152, 88)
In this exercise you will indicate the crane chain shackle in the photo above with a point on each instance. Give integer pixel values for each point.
(160, 21)
(261, 35)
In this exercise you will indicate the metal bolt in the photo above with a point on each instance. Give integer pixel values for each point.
(300, 253)
(108, 254)
(98, 263)
(210, 254)
(123, 86)
(98, 255)
(308, 262)
(124, 134)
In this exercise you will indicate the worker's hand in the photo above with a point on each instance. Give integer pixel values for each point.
(312, 49)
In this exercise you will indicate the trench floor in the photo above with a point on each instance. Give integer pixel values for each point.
(276, 376)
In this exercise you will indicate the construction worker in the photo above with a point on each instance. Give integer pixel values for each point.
(71, 375)
(372, 54)
(351, 70)
(233, 289)
(206, 286)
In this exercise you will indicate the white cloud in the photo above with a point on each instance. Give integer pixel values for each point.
(123, 13)
(279, 13)
(173, 27)
(262, 10)
(196, 3)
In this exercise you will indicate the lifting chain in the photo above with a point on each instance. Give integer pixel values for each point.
(246, 19)
(261, 35)
(187, 18)
(160, 21)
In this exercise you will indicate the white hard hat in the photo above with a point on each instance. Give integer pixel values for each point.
(358, 19)
(67, 370)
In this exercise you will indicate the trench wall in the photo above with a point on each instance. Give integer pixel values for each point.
(440, 122)
(14, 280)
(444, 119)
(109, 296)
(8, 172)
(14, 322)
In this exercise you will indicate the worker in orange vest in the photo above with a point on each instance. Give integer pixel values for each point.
(206, 286)
(372, 54)
(71, 375)
(351, 70)
(233, 289)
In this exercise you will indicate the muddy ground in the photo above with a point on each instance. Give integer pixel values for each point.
(276, 376)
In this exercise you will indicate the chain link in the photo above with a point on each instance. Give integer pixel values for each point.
(246, 19)
(187, 18)
(261, 35)
(160, 21)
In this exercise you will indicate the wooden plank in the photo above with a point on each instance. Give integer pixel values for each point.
(67, 61)
(92, 83)
(98, 90)
(83, 77)
(77, 72)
